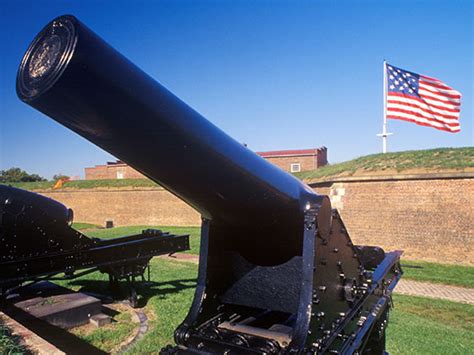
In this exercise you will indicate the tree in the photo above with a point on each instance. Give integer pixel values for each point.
(18, 175)
(60, 177)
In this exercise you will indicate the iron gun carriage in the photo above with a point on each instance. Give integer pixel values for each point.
(278, 273)
(39, 243)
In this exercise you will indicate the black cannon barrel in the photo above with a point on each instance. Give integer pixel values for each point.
(278, 272)
(73, 76)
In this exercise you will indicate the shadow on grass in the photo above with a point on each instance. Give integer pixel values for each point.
(69, 343)
(145, 289)
(9, 343)
(60, 338)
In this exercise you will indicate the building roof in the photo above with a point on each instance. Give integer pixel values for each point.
(117, 162)
(290, 153)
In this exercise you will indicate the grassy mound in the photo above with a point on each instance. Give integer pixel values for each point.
(86, 184)
(431, 160)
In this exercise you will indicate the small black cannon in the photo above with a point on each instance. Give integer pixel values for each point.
(278, 273)
(39, 243)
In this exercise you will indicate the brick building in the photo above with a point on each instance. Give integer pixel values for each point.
(297, 160)
(288, 160)
(112, 170)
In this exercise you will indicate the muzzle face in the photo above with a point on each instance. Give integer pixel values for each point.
(46, 58)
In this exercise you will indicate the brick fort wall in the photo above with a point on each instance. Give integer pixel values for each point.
(115, 171)
(430, 219)
(153, 206)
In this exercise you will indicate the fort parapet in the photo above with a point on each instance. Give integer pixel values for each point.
(429, 216)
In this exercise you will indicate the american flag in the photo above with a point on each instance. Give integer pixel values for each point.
(423, 100)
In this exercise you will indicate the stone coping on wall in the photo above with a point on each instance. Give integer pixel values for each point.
(391, 177)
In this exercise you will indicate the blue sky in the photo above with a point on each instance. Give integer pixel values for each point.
(272, 74)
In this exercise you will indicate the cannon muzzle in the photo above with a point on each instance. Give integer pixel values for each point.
(73, 76)
(278, 272)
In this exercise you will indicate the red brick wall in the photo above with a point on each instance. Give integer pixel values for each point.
(430, 220)
(145, 206)
(306, 162)
(100, 172)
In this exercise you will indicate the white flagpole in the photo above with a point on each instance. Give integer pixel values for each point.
(384, 133)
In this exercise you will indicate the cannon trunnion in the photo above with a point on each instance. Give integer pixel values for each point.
(278, 273)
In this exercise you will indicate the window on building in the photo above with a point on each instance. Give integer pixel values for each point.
(296, 167)
(119, 174)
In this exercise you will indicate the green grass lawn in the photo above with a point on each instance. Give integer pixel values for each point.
(194, 233)
(457, 275)
(422, 271)
(424, 326)
(110, 336)
(417, 325)
(431, 159)
(9, 344)
(167, 300)
(82, 226)
(86, 184)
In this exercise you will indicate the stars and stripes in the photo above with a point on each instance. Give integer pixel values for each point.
(423, 100)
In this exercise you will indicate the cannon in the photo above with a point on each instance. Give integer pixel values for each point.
(39, 243)
(278, 272)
